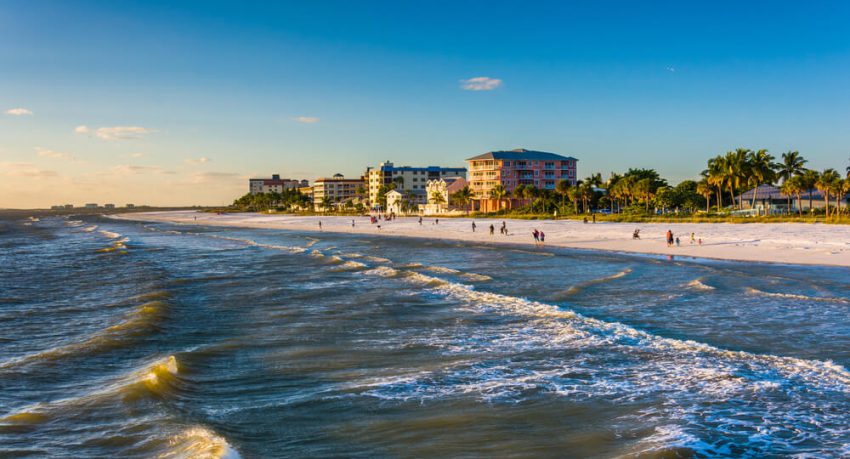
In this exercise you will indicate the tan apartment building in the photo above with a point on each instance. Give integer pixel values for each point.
(336, 189)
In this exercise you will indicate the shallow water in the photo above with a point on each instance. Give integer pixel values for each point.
(157, 340)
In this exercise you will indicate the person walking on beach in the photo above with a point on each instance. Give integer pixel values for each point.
(542, 238)
(352, 223)
(504, 229)
(536, 235)
(692, 239)
(678, 244)
(669, 238)
(320, 225)
(594, 217)
(473, 227)
(437, 221)
(420, 221)
(492, 229)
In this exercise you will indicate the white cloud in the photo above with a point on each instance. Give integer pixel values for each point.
(25, 170)
(45, 153)
(204, 177)
(671, 69)
(19, 112)
(127, 169)
(307, 119)
(480, 84)
(122, 132)
(197, 161)
(82, 130)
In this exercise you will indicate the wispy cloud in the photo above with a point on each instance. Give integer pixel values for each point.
(116, 132)
(671, 69)
(307, 119)
(197, 161)
(128, 169)
(122, 132)
(52, 154)
(19, 112)
(25, 170)
(204, 177)
(137, 155)
(480, 84)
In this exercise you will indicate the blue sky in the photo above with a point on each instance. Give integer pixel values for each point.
(214, 91)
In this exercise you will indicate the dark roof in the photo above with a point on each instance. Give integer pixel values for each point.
(772, 192)
(522, 154)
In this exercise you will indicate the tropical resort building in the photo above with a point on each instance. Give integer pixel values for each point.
(439, 195)
(395, 202)
(410, 181)
(336, 191)
(274, 184)
(513, 168)
(769, 199)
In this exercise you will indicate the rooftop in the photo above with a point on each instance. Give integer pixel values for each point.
(522, 154)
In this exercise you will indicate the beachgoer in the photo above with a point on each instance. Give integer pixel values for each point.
(700, 241)
(320, 225)
(504, 229)
(669, 238)
(678, 244)
(692, 239)
(536, 235)
(542, 237)
(585, 219)
(636, 234)
(352, 223)
(420, 221)
(473, 227)
(492, 229)
(594, 217)
(437, 221)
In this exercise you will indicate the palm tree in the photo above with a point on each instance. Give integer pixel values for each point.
(715, 177)
(498, 193)
(463, 197)
(705, 190)
(562, 188)
(808, 181)
(438, 197)
(575, 197)
(842, 187)
(760, 170)
(792, 164)
(826, 184)
(586, 193)
(736, 170)
(792, 186)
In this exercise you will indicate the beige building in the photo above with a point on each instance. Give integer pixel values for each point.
(337, 190)
(410, 181)
(274, 184)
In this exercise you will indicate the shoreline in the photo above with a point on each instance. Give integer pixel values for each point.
(783, 243)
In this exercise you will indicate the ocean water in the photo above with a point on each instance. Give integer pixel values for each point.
(128, 339)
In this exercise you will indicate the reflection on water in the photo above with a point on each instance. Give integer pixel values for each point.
(126, 339)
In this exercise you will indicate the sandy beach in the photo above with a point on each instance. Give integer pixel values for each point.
(794, 243)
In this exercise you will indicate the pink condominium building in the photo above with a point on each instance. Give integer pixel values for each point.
(511, 168)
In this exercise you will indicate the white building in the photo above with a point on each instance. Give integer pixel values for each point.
(410, 181)
(394, 202)
(439, 194)
(336, 190)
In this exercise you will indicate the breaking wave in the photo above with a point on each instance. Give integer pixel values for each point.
(198, 443)
(697, 284)
(795, 296)
(579, 287)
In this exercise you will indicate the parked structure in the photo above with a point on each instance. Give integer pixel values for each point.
(516, 167)
(274, 184)
(336, 191)
(410, 181)
(91, 205)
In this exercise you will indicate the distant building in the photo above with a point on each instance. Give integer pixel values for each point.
(57, 207)
(411, 181)
(769, 199)
(443, 189)
(130, 206)
(517, 167)
(109, 206)
(394, 202)
(274, 184)
(69, 206)
(337, 190)
(91, 205)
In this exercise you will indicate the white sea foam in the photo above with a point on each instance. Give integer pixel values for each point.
(795, 296)
(89, 229)
(697, 284)
(198, 443)
(382, 271)
(110, 234)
